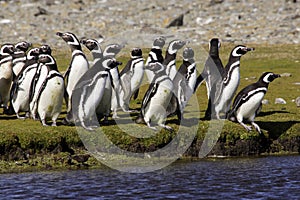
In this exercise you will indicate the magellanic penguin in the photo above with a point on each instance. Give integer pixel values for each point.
(51, 93)
(131, 77)
(184, 82)
(94, 46)
(111, 51)
(89, 91)
(6, 74)
(20, 56)
(155, 55)
(157, 98)
(224, 95)
(45, 49)
(170, 58)
(249, 99)
(78, 66)
(20, 91)
(213, 74)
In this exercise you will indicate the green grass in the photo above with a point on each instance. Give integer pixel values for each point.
(280, 123)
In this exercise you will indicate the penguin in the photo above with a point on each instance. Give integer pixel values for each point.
(111, 51)
(50, 94)
(131, 77)
(20, 56)
(184, 82)
(45, 49)
(170, 57)
(6, 74)
(20, 92)
(224, 94)
(155, 55)
(78, 66)
(46, 64)
(248, 101)
(157, 98)
(89, 91)
(95, 48)
(213, 74)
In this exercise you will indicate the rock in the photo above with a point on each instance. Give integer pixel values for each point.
(298, 101)
(265, 102)
(280, 101)
(286, 75)
(176, 22)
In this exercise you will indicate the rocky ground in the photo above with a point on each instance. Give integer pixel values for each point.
(137, 22)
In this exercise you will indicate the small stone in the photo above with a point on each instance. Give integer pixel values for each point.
(286, 75)
(280, 101)
(298, 101)
(265, 101)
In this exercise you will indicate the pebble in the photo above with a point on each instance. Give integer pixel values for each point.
(280, 101)
(298, 101)
(286, 75)
(265, 102)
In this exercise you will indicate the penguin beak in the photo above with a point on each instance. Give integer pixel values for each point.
(83, 41)
(59, 34)
(250, 49)
(276, 76)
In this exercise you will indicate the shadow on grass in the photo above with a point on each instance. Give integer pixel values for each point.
(276, 129)
(263, 114)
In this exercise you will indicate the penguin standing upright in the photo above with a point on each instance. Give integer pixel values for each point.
(231, 81)
(213, 74)
(6, 74)
(170, 58)
(20, 56)
(89, 91)
(155, 55)
(20, 91)
(184, 81)
(157, 97)
(248, 101)
(131, 77)
(78, 66)
(51, 93)
(95, 48)
(111, 51)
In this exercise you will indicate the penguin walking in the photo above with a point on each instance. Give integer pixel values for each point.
(155, 55)
(157, 98)
(20, 91)
(224, 95)
(248, 101)
(78, 66)
(131, 77)
(213, 74)
(89, 92)
(170, 58)
(184, 82)
(20, 56)
(51, 93)
(6, 74)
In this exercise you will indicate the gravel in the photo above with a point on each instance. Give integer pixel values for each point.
(138, 22)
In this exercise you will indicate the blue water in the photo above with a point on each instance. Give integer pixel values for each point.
(237, 178)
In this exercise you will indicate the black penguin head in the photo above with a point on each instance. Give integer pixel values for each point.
(268, 77)
(48, 60)
(45, 49)
(33, 53)
(240, 50)
(7, 49)
(136, 52)
(112, 49)
(91, 44)
(175, 45)
(70, 39)
(23, 46)
(110, 63)
(188, 53)
(214, 45)
(156, 67)
(159, 42)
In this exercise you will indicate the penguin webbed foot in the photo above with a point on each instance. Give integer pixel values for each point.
(256, 127)
(248, 128)
(169, 128)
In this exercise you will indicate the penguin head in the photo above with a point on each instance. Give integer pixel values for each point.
(156, 67)
(91, 44)
(23, 46)
(110, 63)
(159, 42)
(240, 50)
(175, 45)
(268, 77)
(136, 52)
(188, 53)
(112, 49)
(46, 59)
(214, 45)
(70, 39)
(7, 49)
(33, 53)
(45, 49)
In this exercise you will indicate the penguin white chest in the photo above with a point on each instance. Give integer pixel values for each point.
(79, 67)
(137, 76)
(232, 84)
(248, 109)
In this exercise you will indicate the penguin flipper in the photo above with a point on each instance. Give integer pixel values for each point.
(136, 94)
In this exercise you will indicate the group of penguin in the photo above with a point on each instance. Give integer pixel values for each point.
(30, 82)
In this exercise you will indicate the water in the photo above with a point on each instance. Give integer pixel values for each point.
(242, 178)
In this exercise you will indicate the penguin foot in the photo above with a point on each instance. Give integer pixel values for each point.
(169, 128)
(256, 127)
(115, 116)
(44, 123)
(151, 127)
(53, 124)
(19, 117)
(248, 128)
